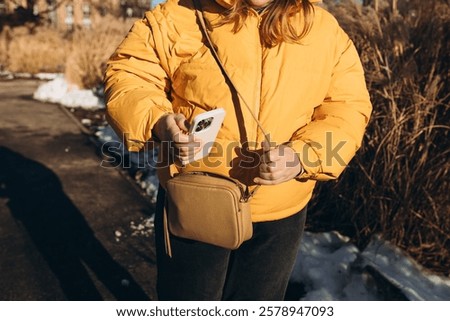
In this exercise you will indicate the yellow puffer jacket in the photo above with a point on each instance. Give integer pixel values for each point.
(310, 95)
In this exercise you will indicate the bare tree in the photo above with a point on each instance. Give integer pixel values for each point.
(134, 8)
(24, 14)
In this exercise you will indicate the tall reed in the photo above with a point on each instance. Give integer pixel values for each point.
(398, 184)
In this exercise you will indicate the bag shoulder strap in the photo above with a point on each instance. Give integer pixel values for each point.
(204, 29)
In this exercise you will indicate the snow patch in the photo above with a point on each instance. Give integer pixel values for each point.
(324, 268)
(61, 92)
(46, 76)
(330, 267)
(404, 273)
(143, 162)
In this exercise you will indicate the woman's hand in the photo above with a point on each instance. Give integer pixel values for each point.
(173, 129)
(278, 165)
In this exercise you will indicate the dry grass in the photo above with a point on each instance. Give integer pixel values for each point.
(81, 55)
(398, 184)
(90, 49)
(33, 50)
(4, 44)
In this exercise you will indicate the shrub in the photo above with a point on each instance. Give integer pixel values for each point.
(91, 48)
(34, 50)
(80, 54)
(4, 44)
(398, 183)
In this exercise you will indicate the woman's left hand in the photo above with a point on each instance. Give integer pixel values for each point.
(278, 165)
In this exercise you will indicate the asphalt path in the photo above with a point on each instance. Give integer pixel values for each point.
(64, 220)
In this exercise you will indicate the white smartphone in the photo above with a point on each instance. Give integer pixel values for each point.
(206, 126)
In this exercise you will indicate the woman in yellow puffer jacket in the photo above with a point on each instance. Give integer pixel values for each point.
(301, 76)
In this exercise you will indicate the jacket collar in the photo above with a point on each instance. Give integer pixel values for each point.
(228, 3)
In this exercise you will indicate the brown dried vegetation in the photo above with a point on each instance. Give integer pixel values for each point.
(80, 55)
(398, 185)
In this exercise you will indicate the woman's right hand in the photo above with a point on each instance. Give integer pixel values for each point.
(173, 129)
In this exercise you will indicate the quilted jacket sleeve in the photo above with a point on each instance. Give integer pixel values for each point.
(327, 144)
(136, 87)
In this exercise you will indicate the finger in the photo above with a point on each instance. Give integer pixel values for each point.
(184, 153)
(180, 137)
(189, 144)
(187, 151)
(272, 155)
(272, 175)
(271, 167)
(182, 122)
(266, 151)
(272, 158)
(269, 156)
(265, 146)
(265, 158)
(185, 160)
(268, 176)
(195, 138)
(264, 168)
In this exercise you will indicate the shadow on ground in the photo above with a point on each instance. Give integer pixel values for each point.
(60, 232)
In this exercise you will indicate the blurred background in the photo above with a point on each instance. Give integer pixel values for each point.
(397, 187)
(71, 37)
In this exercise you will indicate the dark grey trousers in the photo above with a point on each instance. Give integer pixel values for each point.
(259, 270)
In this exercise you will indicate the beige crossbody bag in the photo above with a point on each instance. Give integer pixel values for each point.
(207, 207)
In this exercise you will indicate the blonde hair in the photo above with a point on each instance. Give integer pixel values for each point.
(277, 24)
